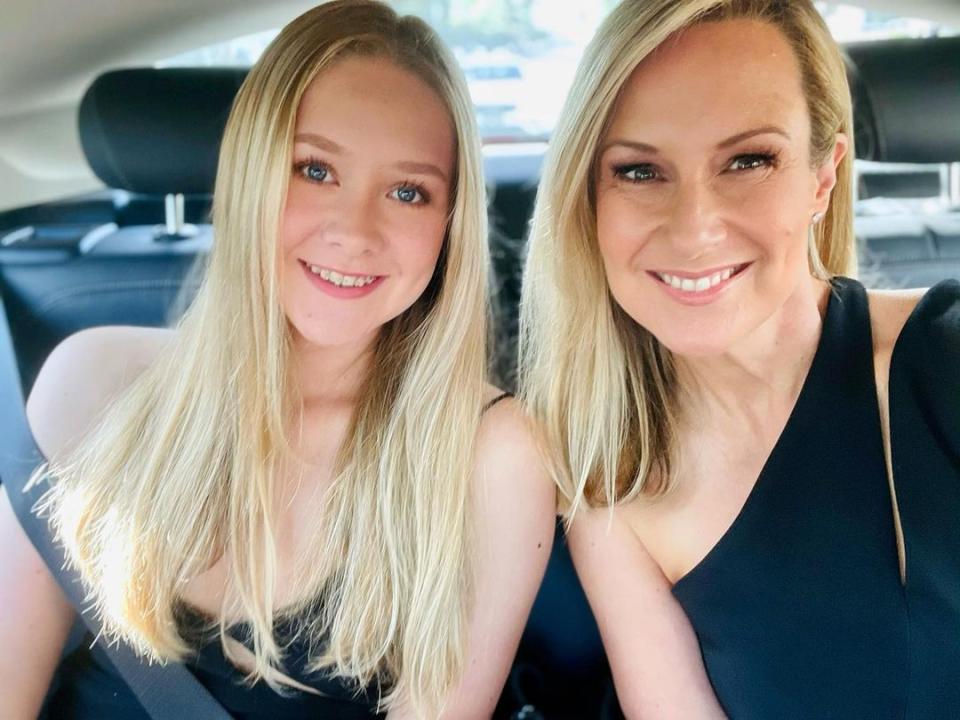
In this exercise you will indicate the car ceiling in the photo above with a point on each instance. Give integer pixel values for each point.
(50, 50)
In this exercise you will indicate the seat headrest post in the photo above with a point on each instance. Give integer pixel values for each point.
(173, 210)
(953, 186)
(175, 227)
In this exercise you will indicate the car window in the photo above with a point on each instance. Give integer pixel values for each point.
(519, 56)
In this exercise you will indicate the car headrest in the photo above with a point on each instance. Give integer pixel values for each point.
(907, 99)
(157, 131)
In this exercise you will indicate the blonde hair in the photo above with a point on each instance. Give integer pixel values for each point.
(603, 388)
(184, 466)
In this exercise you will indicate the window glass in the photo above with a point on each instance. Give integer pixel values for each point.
(519, 56)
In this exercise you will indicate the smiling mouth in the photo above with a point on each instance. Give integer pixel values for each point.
(340, 279)
(694, 284)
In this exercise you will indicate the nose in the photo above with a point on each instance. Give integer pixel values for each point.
(354, 226)
(694, 223)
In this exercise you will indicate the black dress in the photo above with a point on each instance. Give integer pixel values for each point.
(88, 687)
(799, 608)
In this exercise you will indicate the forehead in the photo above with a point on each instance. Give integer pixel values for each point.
(715, 79)
(373, 106)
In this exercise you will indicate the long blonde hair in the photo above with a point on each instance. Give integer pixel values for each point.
(184, 467)
(602, 388)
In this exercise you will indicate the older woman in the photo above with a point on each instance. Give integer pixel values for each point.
(303, 485)
(721, 404)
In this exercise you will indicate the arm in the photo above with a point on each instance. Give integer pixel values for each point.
(79, 377)
(657, 667)
(34, 622)
(515, 507)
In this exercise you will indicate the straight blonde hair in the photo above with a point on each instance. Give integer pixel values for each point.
(603, 388)
(183, 468)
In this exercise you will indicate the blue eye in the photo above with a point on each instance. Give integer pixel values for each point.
(409, 195)
(317, 173)
(313, 170)
(636, 173)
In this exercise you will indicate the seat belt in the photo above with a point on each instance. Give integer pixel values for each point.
(166, 692)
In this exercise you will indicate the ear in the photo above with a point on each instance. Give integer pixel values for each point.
(827, 173)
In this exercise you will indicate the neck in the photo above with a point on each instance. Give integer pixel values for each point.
(331, 375)
(764, 372)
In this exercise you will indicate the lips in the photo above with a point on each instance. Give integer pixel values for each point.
(340, 279)
(698, 287)
(341, 284)
(698, 282)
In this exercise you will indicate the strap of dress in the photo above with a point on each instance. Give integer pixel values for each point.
(497, 399)
(857, 326)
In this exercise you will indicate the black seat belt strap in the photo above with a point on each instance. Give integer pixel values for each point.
(167, 692)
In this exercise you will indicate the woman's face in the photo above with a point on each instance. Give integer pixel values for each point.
(705, 186)
(367, 207)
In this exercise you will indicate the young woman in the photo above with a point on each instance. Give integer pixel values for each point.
(300, 485)
(715, 394)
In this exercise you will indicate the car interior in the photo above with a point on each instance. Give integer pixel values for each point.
(128, 247)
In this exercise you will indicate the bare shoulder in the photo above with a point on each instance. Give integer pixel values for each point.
(506, 432)
(82, 375)
(889, 311)
(508, 463)
(603, 533)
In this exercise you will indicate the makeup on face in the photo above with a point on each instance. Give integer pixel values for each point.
(705, 187)
(368, 199)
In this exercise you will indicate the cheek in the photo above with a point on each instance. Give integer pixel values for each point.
(606, 235)
(298, 220)
(419, 243)
(621, 231)
(777, 212)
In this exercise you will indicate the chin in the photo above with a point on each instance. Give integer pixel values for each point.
(695, 342)
(696, 349)
(332, 335)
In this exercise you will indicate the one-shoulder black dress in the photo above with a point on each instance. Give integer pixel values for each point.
(799, 608)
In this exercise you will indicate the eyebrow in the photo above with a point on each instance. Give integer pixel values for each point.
(408, 166)
(421, 168)
(740, 137)
(318, 141)
(722, 145)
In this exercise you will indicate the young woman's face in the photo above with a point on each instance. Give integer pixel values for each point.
(366, 211)
(705, 186)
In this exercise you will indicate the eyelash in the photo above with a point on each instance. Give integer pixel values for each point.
(767, 159)
(299, 169)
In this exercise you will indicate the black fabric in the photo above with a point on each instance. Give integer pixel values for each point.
(799, 608)
(90, 689)
(907, 99)
(157, 131)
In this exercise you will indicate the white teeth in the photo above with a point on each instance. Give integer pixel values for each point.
(696, 285)
(335, 278)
